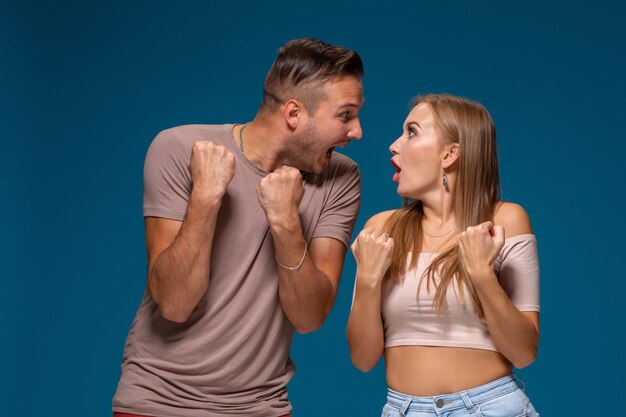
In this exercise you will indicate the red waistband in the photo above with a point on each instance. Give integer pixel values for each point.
(137, 415)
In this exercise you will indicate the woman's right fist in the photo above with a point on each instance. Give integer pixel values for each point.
(372, 251)
(212, 168)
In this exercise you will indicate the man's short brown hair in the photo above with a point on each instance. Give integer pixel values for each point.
(301, 68)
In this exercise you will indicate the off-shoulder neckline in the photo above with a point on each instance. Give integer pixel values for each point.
(522, 236)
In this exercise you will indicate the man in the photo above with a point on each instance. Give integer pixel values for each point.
(246, 231)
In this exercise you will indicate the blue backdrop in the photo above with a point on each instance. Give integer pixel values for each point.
(85, 86)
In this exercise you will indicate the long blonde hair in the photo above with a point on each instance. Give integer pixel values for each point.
(476, 194)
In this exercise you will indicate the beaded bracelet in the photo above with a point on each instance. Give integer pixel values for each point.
(293, 268)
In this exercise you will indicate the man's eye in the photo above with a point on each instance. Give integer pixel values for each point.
(345, 116)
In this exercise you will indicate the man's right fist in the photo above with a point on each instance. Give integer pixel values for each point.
(212, 168)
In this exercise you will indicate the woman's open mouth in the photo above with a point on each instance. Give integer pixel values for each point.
(396, 176)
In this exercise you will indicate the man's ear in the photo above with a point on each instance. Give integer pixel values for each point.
(292, 111)
(451, 154)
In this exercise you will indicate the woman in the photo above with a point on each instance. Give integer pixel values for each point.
(447, 287)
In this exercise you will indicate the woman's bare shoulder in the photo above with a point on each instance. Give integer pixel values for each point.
(513, 218)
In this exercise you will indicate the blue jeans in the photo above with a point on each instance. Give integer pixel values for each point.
(499, 398)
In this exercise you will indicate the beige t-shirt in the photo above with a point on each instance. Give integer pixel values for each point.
(409, 320)
(231, 357)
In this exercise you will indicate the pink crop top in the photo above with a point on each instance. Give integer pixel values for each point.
(408, 323)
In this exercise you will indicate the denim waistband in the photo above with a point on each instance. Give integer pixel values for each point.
(447, 402)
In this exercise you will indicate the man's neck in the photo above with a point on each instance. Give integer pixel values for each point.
(262, 143)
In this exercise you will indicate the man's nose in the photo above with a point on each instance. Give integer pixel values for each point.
(356, 132)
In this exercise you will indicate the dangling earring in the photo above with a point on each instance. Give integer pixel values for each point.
(445, 181)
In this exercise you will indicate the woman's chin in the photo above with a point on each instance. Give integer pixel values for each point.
(406, 193)
(402, 193)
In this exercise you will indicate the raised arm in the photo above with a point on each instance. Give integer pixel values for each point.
(179, 253)
(372, 251)
(308, 277)
(515, 333)
(308, 293)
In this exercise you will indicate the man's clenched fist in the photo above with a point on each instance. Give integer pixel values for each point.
(212, 168)
(280, 193)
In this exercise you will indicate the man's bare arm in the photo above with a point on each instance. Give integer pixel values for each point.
(179, 253)
(308, 280)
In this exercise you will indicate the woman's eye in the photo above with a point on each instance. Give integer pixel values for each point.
(411, 132)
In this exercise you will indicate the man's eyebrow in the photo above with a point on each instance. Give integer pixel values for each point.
(349, 105)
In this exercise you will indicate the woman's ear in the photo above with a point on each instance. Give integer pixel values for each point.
(451, 154)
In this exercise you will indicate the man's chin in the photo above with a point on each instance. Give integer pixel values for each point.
(320, 168)
(314, 170)
(313, 166)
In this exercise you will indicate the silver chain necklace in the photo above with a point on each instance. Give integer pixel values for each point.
(241, 137)
(424, 230)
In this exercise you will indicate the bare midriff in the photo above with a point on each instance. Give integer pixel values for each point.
(428, 371)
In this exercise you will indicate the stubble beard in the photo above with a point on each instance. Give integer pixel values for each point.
(303, 151)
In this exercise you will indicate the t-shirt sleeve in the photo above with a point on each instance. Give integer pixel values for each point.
(519, 271)
(342, 202)
(166, 177)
